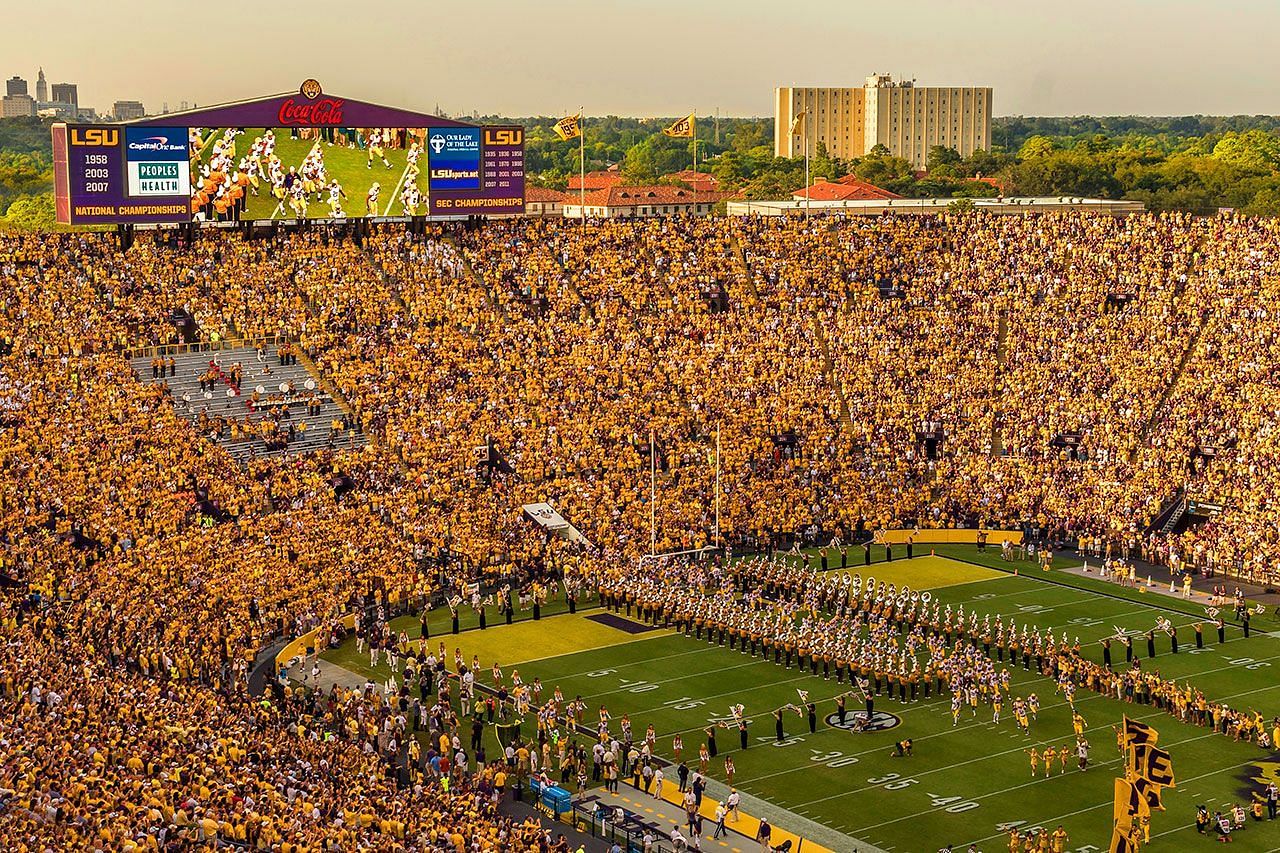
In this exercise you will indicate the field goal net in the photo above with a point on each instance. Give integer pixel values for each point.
(692, 555)
(508, 733)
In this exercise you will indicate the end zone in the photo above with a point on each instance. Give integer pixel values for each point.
(925, 572)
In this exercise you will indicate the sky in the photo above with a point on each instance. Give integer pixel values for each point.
(654, 57)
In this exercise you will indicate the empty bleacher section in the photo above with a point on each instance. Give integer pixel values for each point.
(253, 402)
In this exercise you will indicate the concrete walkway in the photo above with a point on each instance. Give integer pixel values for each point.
(741, 837)
(1201, 587)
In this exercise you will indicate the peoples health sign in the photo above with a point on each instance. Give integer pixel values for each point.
(453, 157)
(156, 161)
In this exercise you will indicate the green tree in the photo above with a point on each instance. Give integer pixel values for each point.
(32, 212)
(1036, 147)
(1257, 150)
(942, 159)
(749, 135)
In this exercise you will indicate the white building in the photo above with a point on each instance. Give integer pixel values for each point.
(905, 118)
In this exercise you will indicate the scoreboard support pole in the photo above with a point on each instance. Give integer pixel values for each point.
(124, 233)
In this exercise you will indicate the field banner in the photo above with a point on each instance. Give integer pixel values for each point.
(1128, 804)
(1135, 733)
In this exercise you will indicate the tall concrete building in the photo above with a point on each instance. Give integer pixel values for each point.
(16, 106)
(15, 86)
(126, 110)
(66, 93)
(42, 89)
(905, 118)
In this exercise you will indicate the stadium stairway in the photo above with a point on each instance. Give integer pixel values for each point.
(190, 401)
(392, 282)
(828, 367)
(1175, 376)
(573, 285)
(469, 271)
(1002, 358)
(744, 271)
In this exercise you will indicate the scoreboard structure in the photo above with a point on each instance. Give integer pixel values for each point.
(147, 171)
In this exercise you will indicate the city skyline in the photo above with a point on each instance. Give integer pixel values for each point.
(1099, 59)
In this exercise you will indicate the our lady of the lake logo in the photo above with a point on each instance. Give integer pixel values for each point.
(856, 721)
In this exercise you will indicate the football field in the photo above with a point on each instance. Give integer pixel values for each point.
(967, 782)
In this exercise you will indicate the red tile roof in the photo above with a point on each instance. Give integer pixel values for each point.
(542, 194)
(701, 181)
(876, 192)
(620, 196)
(848, 188)
(596, 180)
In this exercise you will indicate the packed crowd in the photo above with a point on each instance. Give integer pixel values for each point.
(783, 379)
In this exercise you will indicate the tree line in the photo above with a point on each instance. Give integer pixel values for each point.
(1193, 163)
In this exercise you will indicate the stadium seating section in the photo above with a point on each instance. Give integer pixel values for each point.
(1069, 372)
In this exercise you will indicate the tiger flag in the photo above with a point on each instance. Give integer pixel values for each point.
(1150, 792)
(682, 129)
(1153, 764)
(1128, 804)
(1123, 841)
(569, 127)
(1135, 733)
(797, 123)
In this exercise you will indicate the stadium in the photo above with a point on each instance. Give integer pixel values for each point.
(371, 528)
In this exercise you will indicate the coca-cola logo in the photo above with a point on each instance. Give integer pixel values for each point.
(324, 111)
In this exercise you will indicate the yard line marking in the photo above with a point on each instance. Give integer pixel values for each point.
(985, 724)
(1029, 784)
(1085, 594)
(1107, 802)
(1056, 704)
(395, 194)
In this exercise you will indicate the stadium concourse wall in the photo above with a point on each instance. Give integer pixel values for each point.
(948, 536)
(923, 206)
(298, 647)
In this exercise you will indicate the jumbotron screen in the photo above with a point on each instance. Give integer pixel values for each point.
(322, 158)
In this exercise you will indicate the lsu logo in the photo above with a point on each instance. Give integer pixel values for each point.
(856, 721)
(504, 136)
(96, 136)
(310, 89)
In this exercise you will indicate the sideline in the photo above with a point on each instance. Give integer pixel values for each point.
(1042, 577)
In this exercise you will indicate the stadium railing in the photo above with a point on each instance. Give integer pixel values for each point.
(204, 346)
(630, 833)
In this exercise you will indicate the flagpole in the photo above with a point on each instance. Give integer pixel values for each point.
(693, 128)
(807, 186)
(653, 495)
(582, 169)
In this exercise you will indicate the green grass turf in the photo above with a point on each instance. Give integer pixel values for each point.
(1029, 568)
(852, 784)
(348, 165)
